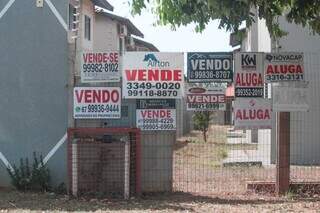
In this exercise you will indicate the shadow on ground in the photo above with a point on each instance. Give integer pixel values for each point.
(160, 201)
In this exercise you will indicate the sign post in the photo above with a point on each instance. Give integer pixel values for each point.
(283, 153)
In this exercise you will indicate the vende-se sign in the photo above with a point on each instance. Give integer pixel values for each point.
(208, 67)
(152, 75)
(96, 102)
(156, 114)
(100, 67)
(252, 113)
(249, 74)
(286, 66)
(205, 99)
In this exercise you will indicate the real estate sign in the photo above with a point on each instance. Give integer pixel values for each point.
(290, 97)
(209, 67)
(96, 102)
(152, 75)
(249, 75)
(285, 66)
(252, 113)
(156, 114)
(100, 67)
(205, 99)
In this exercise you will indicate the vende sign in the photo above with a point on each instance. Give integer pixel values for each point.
(96, 102)
(100, 67)
(249, 74)
(290, 97)
(286, 66)
(156, 114)
(152, 75)
(208, 67)
(252, 113)
(205, 99)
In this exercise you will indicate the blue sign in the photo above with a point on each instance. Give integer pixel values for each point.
(209, 67)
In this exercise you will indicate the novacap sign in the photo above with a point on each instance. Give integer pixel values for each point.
(152, 75)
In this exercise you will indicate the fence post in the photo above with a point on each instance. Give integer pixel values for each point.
(283, 153)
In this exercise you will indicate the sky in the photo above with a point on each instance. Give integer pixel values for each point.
(184, 39)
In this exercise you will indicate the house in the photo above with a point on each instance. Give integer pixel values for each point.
(35, 61)
(304, 133)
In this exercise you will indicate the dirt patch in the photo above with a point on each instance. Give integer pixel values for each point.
(177, 202)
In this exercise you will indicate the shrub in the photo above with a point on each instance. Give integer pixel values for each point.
(24, 178)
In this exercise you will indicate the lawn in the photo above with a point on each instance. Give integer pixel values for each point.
(12, 201)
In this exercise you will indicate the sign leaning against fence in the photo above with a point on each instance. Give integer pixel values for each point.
(152, 75)
(96, 102)
(100, 67)
(249, 74)
(205, 99)
(208, 67)
(156, 114)
(252, 113)
(286, 66)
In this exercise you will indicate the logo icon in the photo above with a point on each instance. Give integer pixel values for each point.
(269, 57)
(248, 61)
(153, 61)
(150, 57)
(252, 102)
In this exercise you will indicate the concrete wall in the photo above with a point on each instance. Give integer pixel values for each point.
(33, 89)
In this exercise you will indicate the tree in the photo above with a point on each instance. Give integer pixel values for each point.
(232, 13)
(201, 122)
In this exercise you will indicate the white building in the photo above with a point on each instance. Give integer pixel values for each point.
(304, 126)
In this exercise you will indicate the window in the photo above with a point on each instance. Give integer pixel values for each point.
(87, 28)
(120, 46)
(72, 17)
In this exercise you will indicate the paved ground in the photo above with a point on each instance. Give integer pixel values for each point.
(179, 202)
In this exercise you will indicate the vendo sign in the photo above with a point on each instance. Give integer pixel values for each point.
(152, 75)
(252, 113)
(205, 99)
(249, 75)
(156, 114)
(96, 102)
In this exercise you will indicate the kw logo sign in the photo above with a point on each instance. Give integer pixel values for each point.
(153, 61)
(248, 61)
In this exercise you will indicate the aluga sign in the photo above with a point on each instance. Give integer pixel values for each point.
(286, 66)
(252, 113)
(156, 114)
(97, 102)
(152, 75)
(249, 76)
(100, 67)
(205, 99)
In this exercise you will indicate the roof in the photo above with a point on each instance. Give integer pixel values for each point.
(148, 45)
(131, 27)
(103, 4)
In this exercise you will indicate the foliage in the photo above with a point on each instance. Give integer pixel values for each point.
(201, 122)
(36, 178)
(232, 13)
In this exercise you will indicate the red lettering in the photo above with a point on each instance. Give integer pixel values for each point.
(79, 97)
(131, 75)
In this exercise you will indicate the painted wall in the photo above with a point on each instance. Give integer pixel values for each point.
(33, 89)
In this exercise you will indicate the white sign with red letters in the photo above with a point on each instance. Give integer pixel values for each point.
(100, 67)
(205, 99)
(96, 102)
(152, 75)
(285, 66)
(249, 76)
(156, 114)
(252, 113)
